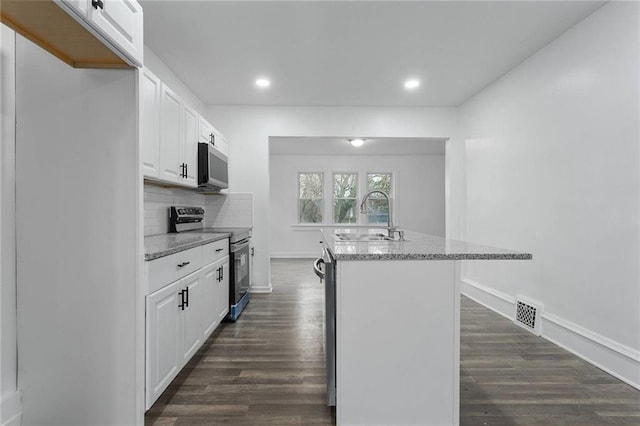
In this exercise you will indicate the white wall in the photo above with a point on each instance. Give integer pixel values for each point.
(552, 167)
(418, 186)
(77, 197)
(9, 395)
(248, 130)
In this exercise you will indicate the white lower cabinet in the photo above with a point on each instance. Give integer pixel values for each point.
(223, 290)
(191, 314)
(181, 315)
(163, 340)
(215, 280)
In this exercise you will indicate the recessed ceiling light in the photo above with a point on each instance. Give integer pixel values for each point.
(412, 84)
(356, 142)
(263, 82)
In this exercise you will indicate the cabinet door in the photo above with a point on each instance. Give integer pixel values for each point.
(163, 340)
(170, 136)
(210, 298)
(150, 150)
(191, 317)
(223, 289)
(205, 133)
(190, 145)
(120, 21)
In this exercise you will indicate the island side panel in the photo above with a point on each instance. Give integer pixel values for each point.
(397, 343)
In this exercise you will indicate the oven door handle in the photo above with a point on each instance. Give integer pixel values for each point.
(239, 246)
(316, 267)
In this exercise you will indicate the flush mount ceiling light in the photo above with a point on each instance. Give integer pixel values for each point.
(412, 84)
(356, 142)
(263, 83)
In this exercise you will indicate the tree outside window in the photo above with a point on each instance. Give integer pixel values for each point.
(310, 197)
(345, 197)
(377, 208)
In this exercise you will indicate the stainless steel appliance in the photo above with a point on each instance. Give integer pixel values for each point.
(189, 219)
(213, 174)
(325, 268)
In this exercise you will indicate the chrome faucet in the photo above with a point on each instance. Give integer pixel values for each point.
(390, 228)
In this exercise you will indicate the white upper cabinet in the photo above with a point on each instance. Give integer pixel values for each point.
(190, 146)
(177, 128)
(151, 88)
(205, 131)
(111, 35)
(171, 166)
(171, 130)
(209, 134)
(120, 21)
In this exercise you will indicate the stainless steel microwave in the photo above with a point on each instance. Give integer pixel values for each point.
(213, 174)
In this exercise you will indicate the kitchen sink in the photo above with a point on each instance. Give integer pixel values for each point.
(350, 236)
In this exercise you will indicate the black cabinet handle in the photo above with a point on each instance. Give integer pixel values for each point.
(183, 264)
(186, 170)
(186, 290)
(221, 273)
(97, 4)
(212, 139)
(182, 302)
(219, 250)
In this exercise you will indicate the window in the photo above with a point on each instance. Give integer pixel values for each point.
(377, 207)
(345, 197)
(310, 197)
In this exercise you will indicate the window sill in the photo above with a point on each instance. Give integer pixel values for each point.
(317, 226)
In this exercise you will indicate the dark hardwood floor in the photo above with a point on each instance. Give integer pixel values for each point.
(268, 369)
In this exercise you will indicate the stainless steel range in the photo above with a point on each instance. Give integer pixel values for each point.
(190, 219)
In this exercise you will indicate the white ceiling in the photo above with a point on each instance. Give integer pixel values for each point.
(341, 146)
(355, 53)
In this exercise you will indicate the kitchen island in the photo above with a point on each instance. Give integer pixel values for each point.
(397, 325)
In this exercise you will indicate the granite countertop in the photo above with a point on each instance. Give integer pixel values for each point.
(156, 246)
(417, 246)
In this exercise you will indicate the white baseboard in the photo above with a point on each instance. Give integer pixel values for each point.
(497, 301)
(11, 410)
(618, 360)
(295, 255)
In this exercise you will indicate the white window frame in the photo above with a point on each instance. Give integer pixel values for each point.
(333, 198)
(324, 197)
(392, 198)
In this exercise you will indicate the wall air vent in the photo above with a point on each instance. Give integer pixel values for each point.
(528, 315)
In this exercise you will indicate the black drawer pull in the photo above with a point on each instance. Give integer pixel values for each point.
(97, 4)
(219, 250)
(183, 264)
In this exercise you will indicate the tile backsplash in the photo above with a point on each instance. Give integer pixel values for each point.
(230, 211)
(225, 210)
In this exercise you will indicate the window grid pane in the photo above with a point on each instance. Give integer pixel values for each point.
(310, 197)
(345, 193)
(377, 208)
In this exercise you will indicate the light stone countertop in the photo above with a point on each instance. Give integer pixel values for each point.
(156, 246)
(417, 246)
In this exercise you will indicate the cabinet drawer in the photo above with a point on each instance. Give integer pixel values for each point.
(173, 267)
(215, 251)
